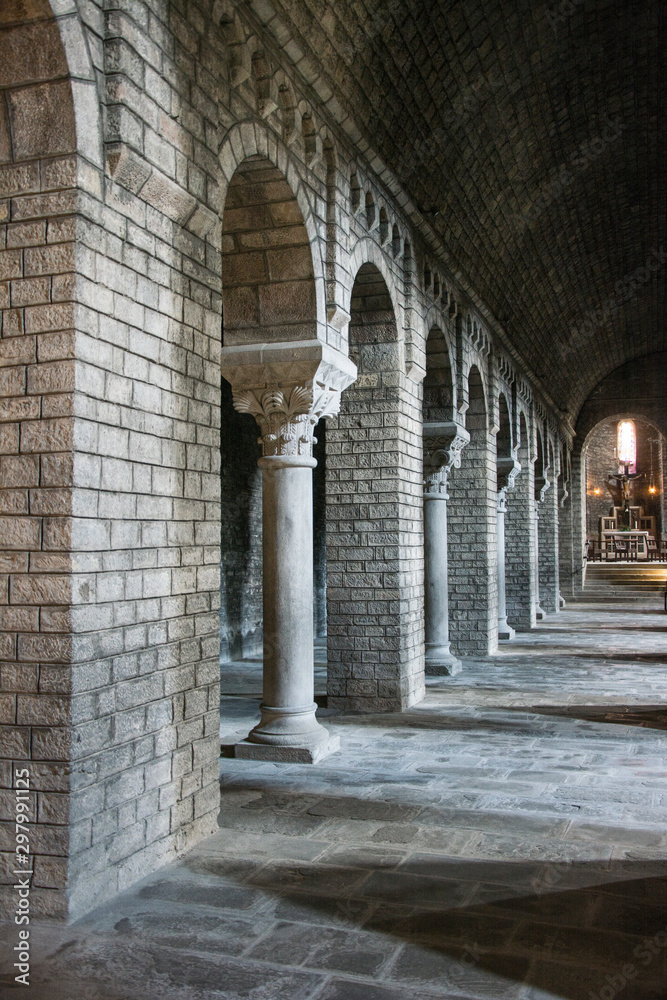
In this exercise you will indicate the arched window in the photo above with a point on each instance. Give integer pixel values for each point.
(626, 445)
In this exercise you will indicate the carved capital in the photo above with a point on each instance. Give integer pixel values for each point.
(287, 415)
(542, 486)
(443, 444)
(287, 388)
(508, 470)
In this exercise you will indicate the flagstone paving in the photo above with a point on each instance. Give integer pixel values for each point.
(506, 838)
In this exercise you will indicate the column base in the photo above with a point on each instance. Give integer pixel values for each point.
(561, 601)
(439, 660)
(539, 613)
(505, 631)
(245, 750)
(288, 734)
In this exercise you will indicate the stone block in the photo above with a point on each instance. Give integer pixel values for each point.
(168, 197)
(42, 120)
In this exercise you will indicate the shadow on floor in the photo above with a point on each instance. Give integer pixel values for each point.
(646, 717)
(360, 928)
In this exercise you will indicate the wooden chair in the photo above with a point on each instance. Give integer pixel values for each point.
(620, 548)
(594, 550)
(652, 552)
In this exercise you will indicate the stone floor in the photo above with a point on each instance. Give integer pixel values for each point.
(504, 839)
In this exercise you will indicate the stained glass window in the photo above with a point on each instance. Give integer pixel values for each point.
(627, 445)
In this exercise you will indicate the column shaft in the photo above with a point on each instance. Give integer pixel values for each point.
(439, 659)
(288, 729)
(539, 611)
(505, 631)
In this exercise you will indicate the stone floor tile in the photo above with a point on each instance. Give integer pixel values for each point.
(518, 813)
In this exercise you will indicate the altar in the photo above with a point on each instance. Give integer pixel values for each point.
(635, 541)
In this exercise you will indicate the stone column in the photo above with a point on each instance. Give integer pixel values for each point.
(443, 443)
(579, 534)
(548, 549)
(539, 611)
(519, 543)
(505, 630)
(508, 470)
(287, 414)
(565, 538)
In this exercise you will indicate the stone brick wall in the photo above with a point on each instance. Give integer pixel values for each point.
(147, 473)
(374, 518)
(519, 539)
(548, 549)
(130, 133)
(567, 547)
(241, 535)
(37, 381)
(472, 524)
(112, 439)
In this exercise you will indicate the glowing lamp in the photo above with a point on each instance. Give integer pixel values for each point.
(597, 491)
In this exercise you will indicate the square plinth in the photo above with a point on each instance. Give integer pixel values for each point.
(245, 750)
(443, 668)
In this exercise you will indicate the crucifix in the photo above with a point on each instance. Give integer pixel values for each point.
(623, 482)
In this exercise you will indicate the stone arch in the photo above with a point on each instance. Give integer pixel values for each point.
(367, 251)
(252, 140)
(520, 566)
(372, 459)
(287, 104)
(268, 280)
(373, 331)
(473, 524)
(439, 400)
(540, 457)
(651, 444)
(616, 418)
(504, 441)
(268, 296)
(478, 411)
(523, 427)
(524, 435)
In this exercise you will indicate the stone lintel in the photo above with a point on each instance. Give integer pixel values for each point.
(263, 366)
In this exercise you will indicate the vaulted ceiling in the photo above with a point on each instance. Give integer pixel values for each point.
(530, 136)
